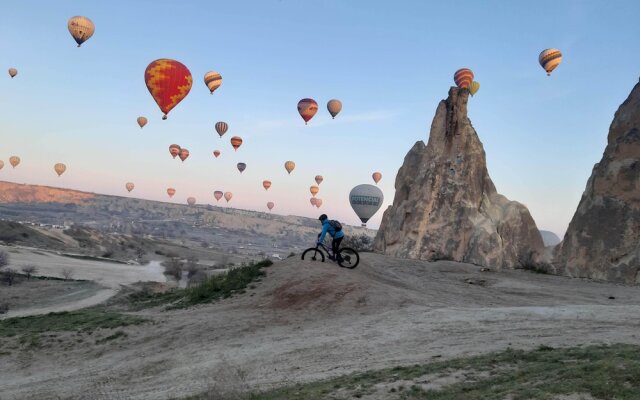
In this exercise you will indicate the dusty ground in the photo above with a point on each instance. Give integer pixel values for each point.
(44, 293)
(307, 321)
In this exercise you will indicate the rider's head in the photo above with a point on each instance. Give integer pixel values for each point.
(322, 217)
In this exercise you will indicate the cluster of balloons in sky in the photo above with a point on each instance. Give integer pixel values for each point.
(169, 82)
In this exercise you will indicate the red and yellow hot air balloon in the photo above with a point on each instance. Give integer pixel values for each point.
(270, 205)
(14, 161)
(81, 29)
(463, 78)
(129, 186)
(218, 195)
(142, 121)
(318, 202)
(13, 72)
(174, 150)
(314, 190)
(376, 177)
(236, 142)
(228, 196)
(266, 184)
(549, 59)
(213, 80)
(216, 153)
(171, 192)
(169, 82)
(221, 128)
(289, 166)
(59, 168)
(184, 153)
(307, 109)
(334, 106)
(191, 201)
(319, 179)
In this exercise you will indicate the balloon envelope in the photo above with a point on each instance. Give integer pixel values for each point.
(59, 168)
(242, 166)
(236, 142)
(366, 200)
(142, 121)
(191, 201)
(319, 179)
(221, 128)
(318, 202)
(216, 153)
(376, 177)
(228, 196)
(307, 109)
(169, 82)
(314, 190)
(218, 195)
(270, 205)
(1, 164)
(14, 161)
(266, 184)
(313, 201)
(334, 106)
(129, 186)
(13, 72)
(463, 78)
(289, 166)
(549, 59)
(213, 80)
(473, 89)
(81, 29)
(171, 192)
(184, 153)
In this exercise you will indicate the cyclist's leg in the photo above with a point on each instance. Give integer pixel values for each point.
(335, 246)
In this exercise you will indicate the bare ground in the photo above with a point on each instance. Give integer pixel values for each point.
(308, 321)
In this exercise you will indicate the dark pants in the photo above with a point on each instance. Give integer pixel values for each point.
(335, 245)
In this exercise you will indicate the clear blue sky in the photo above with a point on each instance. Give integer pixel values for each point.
(389, 62)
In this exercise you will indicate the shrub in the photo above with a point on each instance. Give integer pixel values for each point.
(529, 262)
(29, 270)
(8, 275)
(67, 273)
(361, 242)
(173, 267)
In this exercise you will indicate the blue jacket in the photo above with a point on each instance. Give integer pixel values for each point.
(327, 228)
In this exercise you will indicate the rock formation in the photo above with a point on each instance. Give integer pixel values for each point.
(447, 207)
(603, 238)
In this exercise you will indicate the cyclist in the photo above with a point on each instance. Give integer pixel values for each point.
(336, 235)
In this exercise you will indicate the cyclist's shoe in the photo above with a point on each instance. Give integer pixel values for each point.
(332, 258)
(340, 259)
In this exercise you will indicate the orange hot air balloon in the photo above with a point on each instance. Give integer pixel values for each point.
(228, 196)
(191, 201)
(129, 186)
(184, 153)
(169, 82)
(1, 164)
(14, 161)
(216, 153)
(59, 168)
(236, 141)
(313, 201)
(314, 190)
(218, 195)
(334, 106)
(266, 184)
(463, 78)
(289, 166)
(221, 128)
(13, 72)
(376, 177)
(174, 150)
(318, 202)
(142, 121)
(319, 179)
(171, 192)
(307, 109)
(270, 205)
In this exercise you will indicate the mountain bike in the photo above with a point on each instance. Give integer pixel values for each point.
(346, 257)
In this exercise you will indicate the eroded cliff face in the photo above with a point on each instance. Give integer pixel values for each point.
(603, 238)
(447, 207)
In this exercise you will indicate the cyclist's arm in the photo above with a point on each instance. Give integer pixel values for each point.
(325, 228)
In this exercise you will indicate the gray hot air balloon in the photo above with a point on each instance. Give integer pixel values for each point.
(365, 200)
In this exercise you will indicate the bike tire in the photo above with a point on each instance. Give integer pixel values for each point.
(349, 258)
(312, 254)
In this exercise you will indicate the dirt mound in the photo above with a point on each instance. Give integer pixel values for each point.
(15, 233)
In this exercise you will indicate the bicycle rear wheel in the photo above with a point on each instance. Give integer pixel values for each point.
(313, 254)
(348, 258)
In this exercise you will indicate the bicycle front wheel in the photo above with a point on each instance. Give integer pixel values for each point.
(313, 254)
(348, 258)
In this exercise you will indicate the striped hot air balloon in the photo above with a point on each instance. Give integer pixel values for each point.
(81, 28)
(169, 82)
(171, 192)
(549, 59)
(314, 190)
(473, 89)
(174, 150)
(241, 166)
(218, 195)
(463, 78)
(129, 186)
(266, 184)
(59, 168)
(376, 177)
(216, 153)
(213, 80)
(307, 109)
(13, 72)
(142, 121)
(334, 106)
(270, 205)
(289, 166)
(236, 142)
(319, 179)
(221, 128)
(191, 201)
(14, 161)
(184, 154)
(228, 196)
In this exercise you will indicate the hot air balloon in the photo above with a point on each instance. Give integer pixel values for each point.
(473, 89)
(376, 177)
(314, 190)
(241, 166)
(313, 201)
(318, 203)
(59, 168)
(289, 166)
(216, 153)
(191, 201)
(218, 195)
(184, 153)
(14, 161)
(463, 78)
(129, 186)
(13, 72)
(334, 106)
(221, 128)
(366, 200)
(168, 81)
(171, 192)
(266, 184)
(270, 205)
(142, 121)
(228, 196)
(81, 28)
(319, 179)
(1, 164)
(213, 80)
(174, 150)
(549, 59)
(307, 109)
(236, 141)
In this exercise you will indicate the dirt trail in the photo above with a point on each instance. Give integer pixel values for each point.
(309, 321)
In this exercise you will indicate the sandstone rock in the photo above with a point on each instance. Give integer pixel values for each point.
(603, 238)
(447, 207)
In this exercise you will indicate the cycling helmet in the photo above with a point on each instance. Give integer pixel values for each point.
(322, 217)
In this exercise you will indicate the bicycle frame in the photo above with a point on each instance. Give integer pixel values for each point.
(326, 249)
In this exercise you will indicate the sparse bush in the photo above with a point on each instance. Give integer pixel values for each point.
(437, 255)
(173, 267)
(529, 262)
(192, 266)
(4, 258)
(67, 273)
(361, 242)
(29, 270)
(8, 276)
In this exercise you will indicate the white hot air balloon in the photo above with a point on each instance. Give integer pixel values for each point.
(365, 200)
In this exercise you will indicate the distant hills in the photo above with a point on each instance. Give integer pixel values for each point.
(549, 238)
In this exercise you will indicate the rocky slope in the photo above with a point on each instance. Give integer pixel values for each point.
(447, 207)
(603, 238)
